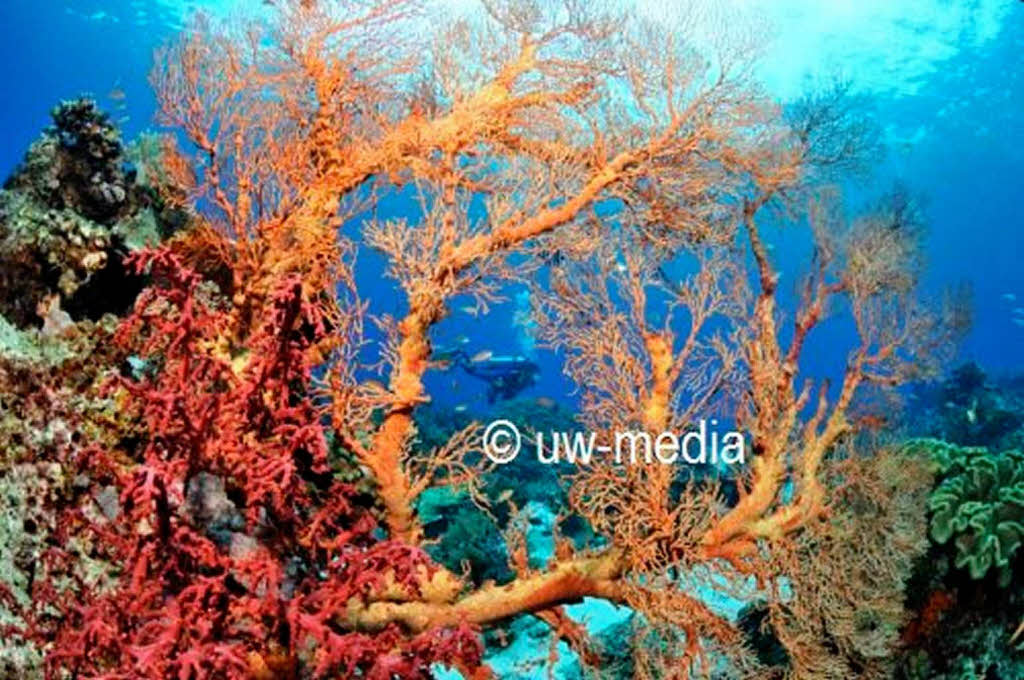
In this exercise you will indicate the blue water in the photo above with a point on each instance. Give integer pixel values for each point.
(943, 78)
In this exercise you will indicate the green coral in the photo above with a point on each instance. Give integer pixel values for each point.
(978, 504)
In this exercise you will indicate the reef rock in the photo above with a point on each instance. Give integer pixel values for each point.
(70, 213)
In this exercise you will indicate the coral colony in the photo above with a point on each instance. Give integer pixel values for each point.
(220, 462)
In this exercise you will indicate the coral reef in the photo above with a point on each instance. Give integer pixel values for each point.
(267, 500)
(70, 213)
(965, 592)
(23, 528)
(909, 607)
(51, 405)
(869, 543)
(77, 165)
(467, 538)
(976, 648)
(231, 486)
(971, 409)
(470, 536)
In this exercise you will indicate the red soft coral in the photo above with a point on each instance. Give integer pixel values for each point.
(223, 597)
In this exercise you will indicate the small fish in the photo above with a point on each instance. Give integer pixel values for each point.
(546, 402)
(462, 340)
(504, 496)
(871, 422)
(472, 310)
(1009, 297)
(461, 408)
(117, 95)
(481, 356)
(375, 386)
(56, 322)
(1018, 633)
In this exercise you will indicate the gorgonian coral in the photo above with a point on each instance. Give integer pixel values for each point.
(629, 178)
(840, 610)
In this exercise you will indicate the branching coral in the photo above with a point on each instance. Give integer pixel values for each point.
(266, 590)
(51, 407)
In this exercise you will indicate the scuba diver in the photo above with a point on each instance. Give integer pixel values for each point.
(506, 376)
